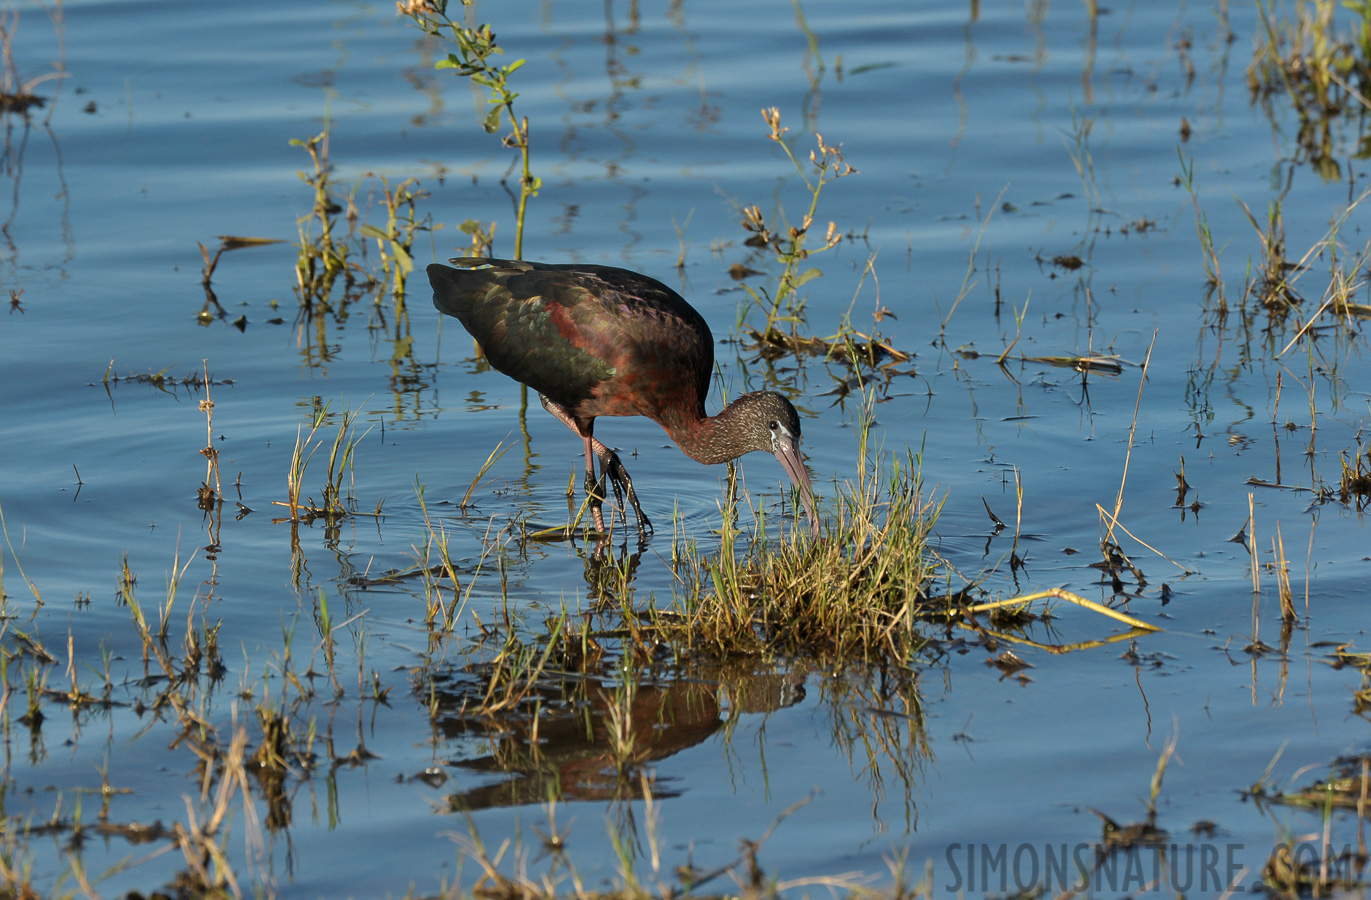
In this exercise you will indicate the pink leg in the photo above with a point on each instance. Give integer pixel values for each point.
(595, 488)
(609, 466)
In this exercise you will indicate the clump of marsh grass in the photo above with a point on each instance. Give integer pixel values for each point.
(337, 500)
(203, 837)
(1273, 282)
(858, 592)
(847, 346)
(1325, 69)
(512, 870)
(1324, 873)
(870, 589)
(1288, 874)
(18, 94)
(1117, 837)
(1354, 484)
(332, 251)
(327, 248)
(1339, 310)
(440, 573)
(395, 241)
(1273, 278)
(1346, 656)
(324, 256)
(187, 670)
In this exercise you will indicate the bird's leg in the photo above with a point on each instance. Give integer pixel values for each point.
(618, 476)
(598, 449)
(595, 487)
(595, 492)
(610, 467)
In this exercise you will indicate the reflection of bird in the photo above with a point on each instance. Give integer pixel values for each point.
(593, 728)
(600, 341)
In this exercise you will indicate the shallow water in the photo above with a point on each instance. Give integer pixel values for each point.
(1015, 134)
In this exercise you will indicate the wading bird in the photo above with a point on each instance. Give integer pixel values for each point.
(601, 341)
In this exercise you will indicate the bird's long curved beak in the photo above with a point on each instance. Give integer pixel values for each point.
(793, 461)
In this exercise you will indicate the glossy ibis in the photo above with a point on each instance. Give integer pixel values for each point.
(601, 341)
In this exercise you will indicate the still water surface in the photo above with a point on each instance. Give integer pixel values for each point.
(1007, 134)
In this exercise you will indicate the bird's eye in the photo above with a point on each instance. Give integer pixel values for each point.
(774, 424)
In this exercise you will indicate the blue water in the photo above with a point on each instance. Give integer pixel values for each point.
(963, 127)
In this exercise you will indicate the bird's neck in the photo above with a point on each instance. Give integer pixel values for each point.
(709, 439)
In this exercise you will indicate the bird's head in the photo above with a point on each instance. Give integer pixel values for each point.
(772, 424)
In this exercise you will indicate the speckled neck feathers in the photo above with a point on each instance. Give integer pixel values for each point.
(745, 425)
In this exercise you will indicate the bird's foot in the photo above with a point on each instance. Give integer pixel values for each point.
(618, 479)
(618, 476)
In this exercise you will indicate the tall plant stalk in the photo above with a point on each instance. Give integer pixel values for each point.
(475, 46)
(826, 164)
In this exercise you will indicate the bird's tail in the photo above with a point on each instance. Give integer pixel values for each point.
(456, 289)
